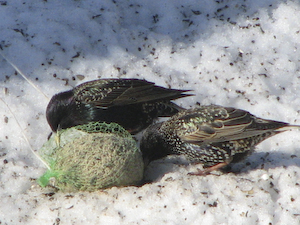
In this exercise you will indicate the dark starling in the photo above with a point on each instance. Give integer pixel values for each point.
(212, 135)
(132, 103)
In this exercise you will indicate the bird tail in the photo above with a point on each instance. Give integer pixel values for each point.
(289, 127)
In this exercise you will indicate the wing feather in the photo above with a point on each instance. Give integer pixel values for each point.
(104, 93)
(224, 124)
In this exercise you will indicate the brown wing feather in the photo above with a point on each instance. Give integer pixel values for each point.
(231, 124)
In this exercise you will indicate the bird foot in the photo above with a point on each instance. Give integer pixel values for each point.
(208, 170)
(199, 172)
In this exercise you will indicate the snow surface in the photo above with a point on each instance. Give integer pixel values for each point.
(243, 54)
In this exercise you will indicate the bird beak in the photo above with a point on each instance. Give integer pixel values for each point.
(57, 136)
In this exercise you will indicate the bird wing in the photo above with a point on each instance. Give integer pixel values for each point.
(104, 93)
(225, 124)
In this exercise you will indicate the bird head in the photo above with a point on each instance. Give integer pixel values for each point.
(58, 110)
(153, 144)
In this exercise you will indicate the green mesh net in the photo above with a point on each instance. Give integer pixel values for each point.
(91, 157)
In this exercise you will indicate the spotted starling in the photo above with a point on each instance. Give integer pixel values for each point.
(212, 135)
(132, 103)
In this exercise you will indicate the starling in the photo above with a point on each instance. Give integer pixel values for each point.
(212, 135)
(131, 103)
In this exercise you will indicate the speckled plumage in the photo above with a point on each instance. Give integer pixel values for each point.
(132, 103)
(211, 135)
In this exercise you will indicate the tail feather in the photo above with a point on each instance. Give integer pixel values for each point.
(289, 127)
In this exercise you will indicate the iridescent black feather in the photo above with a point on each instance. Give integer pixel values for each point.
(132, 103)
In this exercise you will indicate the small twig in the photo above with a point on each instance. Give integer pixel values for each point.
(22, 74)
(25, 136)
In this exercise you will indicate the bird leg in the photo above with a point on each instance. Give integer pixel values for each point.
(209, 169)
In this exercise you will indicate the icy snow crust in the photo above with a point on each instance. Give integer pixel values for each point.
(243, 54)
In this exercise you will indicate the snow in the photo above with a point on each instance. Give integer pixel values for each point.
(243, 54)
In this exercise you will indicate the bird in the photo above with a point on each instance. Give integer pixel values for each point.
(132, 103)
(212, 135)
